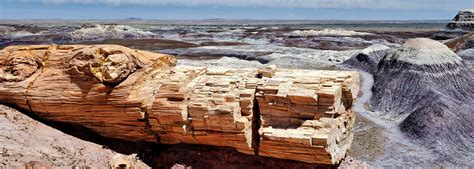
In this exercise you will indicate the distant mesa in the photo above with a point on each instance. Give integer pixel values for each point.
(462, 23)
(133, 18)
(214, 19)
(463, 20)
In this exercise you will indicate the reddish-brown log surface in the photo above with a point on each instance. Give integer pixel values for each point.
(135, 95)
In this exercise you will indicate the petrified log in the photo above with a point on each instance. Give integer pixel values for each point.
(311, 111)
(135, 95)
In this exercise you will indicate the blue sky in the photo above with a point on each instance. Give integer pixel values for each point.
(234, 9)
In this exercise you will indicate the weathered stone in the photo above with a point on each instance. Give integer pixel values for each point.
(140, 96)
(309, 110)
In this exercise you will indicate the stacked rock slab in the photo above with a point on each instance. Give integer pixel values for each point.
(309, 110)
(214, 108)
(135, 95)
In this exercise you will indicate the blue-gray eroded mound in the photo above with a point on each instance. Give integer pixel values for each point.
(430, 90)
(368, 59)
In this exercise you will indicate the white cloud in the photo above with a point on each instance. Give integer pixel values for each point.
(353, 4)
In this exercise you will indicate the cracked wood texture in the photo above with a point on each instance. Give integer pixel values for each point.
(135, 95)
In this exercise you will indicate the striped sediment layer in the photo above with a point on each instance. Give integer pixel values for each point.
(419, 66)
(463, 20)
(429, 89)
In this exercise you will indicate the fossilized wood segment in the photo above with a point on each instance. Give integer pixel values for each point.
(135, 95)
(309, 110)
(85, 85)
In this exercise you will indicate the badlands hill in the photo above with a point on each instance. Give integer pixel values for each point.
(368, 58)
(463, 20)
(461, 24)
(429, 89)
(425, 91)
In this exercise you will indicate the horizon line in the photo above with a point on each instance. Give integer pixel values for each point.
(229, 19)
